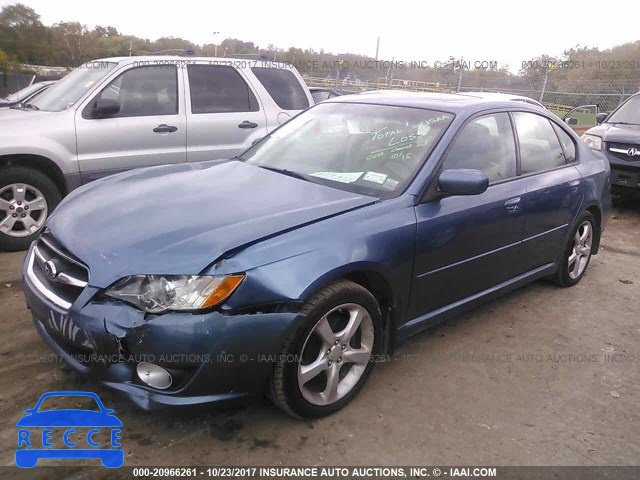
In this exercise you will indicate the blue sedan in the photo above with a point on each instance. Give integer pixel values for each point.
(292, 269)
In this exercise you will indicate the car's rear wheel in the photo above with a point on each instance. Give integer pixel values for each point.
(328, 359)
(577, 253)
(27, 197)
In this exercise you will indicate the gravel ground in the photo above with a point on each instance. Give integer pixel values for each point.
(543, 376)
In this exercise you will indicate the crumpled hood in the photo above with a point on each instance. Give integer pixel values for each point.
(617, 133)
(178, 219)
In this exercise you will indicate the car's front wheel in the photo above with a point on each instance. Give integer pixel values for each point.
(577, 253)
(328, 359)
(27, 197)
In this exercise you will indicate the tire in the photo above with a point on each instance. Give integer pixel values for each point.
(336, 306)
(570, 274)
(32, 188)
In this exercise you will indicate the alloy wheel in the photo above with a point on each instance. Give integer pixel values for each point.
(23, 210)
(579, 257)
(336, 354)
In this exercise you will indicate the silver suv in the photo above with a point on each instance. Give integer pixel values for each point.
(115, 114)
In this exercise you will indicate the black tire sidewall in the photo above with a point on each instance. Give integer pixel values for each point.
(563, 277)
(14, 174)
(354, 294)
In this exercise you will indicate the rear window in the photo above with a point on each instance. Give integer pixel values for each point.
(283, 86)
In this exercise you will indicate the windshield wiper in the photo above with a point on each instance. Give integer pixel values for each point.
(284, 171)
(29, 106)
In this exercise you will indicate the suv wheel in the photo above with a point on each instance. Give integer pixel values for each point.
(328, 359)
(27, 197)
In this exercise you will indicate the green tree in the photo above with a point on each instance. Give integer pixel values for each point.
(78, 43)
(22, 33)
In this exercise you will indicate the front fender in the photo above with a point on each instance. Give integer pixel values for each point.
(379, 238)
(50, 135)
(62, 154)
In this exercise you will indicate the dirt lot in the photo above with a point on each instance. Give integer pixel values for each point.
(529, 379)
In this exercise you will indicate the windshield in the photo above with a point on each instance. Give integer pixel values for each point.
(629, 112)
(76, 402)
(25, 92)
(66, 92)
(369, 149)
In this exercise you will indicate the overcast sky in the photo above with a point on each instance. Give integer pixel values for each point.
(508, 32)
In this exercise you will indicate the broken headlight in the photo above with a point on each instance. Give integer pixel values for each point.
(160, 293)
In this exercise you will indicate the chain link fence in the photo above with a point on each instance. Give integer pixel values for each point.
(606, 94)
(12, 82)
(559, 96)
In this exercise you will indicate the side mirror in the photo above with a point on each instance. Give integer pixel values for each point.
(571, 121)
(601, 117)
(462, 182)
(105, 107)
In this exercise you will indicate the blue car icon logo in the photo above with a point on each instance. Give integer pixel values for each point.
(36, 433)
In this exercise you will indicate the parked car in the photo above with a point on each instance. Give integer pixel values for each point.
(297, 266)
(504, 96)
(25, 94)
(320, 94)
(115, 114)
(584, 117)
(618, 137)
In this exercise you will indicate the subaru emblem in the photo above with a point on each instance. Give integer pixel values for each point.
(50, 270)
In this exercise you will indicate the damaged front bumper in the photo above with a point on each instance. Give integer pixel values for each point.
(213, 357)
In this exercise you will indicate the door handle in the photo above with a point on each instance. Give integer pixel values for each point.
(512, 205)
(574, 185)
(247, 124)
(164, 128)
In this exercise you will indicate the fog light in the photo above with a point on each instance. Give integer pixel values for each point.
(154, 375)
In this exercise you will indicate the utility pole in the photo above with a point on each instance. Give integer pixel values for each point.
(130, 45)
(544, 83)
(389, 77)
(377, 48)
(215, 53)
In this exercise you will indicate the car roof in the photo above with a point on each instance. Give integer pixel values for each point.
(499, 95)
(69, 394)
(447, 102)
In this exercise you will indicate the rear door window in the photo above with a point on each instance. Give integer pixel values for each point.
(540, 149)
(219, 89)
(567, 143)
(283, 86)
